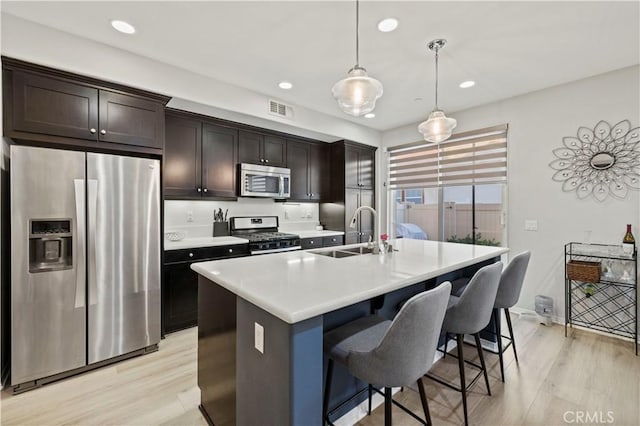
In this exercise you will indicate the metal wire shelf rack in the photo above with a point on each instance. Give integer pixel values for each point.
(610, 304)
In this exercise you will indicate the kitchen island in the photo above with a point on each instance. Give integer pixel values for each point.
(261, 320)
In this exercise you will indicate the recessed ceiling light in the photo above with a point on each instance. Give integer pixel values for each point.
(467, 84)
(387, 25)
(123, 27)
(285, 85)
(370, 115)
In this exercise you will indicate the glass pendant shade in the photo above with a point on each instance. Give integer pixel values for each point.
(357, 93)
(438, 127)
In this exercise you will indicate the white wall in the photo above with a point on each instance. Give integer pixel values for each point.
(537, 123)
(292, 216)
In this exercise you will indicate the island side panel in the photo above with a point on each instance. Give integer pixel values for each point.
(283, 385)
(217, 352)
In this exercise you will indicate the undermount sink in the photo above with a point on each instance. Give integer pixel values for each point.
(359, 250)
(342, 253)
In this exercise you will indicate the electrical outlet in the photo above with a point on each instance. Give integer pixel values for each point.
(530, 225)
(309, 215)
(286, 214)
(189, 216)
(259, 337)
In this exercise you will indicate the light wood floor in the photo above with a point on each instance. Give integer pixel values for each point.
(586, 372)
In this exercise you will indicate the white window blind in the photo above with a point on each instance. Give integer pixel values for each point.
(474, 157)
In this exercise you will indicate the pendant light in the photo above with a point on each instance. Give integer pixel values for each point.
(357, 93)
(438, 126)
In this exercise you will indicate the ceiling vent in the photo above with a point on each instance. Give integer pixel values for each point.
(280, 109)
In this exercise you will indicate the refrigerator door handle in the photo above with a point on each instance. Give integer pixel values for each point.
(80, 233)
(92, 215)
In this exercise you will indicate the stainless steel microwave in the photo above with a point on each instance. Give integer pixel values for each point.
(264, 181)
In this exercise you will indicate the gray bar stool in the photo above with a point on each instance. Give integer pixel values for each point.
(469, 314)
(387, 353)
(508, 294)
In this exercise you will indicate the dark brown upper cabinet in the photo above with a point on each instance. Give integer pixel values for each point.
(130, 120)
(306, 161)
(54, 107)
(257, 148)
(51, 106)
(219, 159)
(182, 157)
(199, 159)
(359, 167)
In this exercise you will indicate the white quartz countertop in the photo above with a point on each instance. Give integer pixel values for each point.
(317, 234)
(188, 243)
(196, 242)
(299, 285)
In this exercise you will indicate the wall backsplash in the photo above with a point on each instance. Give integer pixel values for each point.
(292, 216)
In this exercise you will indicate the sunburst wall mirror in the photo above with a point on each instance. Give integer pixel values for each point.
(599, 162)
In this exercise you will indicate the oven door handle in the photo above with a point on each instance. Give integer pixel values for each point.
(281, 192)
(277, 250)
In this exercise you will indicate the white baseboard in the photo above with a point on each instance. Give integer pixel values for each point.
(528, 313)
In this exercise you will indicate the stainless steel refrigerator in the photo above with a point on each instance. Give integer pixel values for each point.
(85, 259)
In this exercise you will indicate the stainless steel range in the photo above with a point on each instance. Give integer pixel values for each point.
(262, 233)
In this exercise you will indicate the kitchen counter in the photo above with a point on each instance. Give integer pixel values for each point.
(261, 321)
(317, 234)
(188, 243)
(295, 286)
(196, 242)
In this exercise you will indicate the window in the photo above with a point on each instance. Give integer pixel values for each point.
(454, 191)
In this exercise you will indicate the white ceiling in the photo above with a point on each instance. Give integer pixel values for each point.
(508, 48)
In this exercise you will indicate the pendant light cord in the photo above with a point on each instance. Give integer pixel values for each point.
(357, 33)
(436, 49)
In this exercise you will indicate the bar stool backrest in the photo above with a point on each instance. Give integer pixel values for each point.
(511, 281)
(473, 310)
(407, 349)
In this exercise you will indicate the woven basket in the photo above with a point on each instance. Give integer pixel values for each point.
(581, 270)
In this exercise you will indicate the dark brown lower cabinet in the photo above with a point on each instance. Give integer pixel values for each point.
(180, 297)
(317, 242)
(180, 283)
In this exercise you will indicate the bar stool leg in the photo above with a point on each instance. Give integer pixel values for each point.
(484, 366)
(446, 343)
(327, 392)
(513, 342)
(463, 385)
(387, 406)
(370, 393)
(496, 319)
(423, 399)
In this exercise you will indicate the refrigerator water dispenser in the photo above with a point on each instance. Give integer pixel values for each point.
(50, 242)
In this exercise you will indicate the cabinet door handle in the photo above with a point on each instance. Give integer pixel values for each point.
(205, 190)
(262, 160)
(266, 161)
(230, 250)
(190, 254)
(199, 190)
(92, 130)
(103, 132)
(311, 242)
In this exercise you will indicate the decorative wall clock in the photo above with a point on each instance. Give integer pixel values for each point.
(601, 162)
